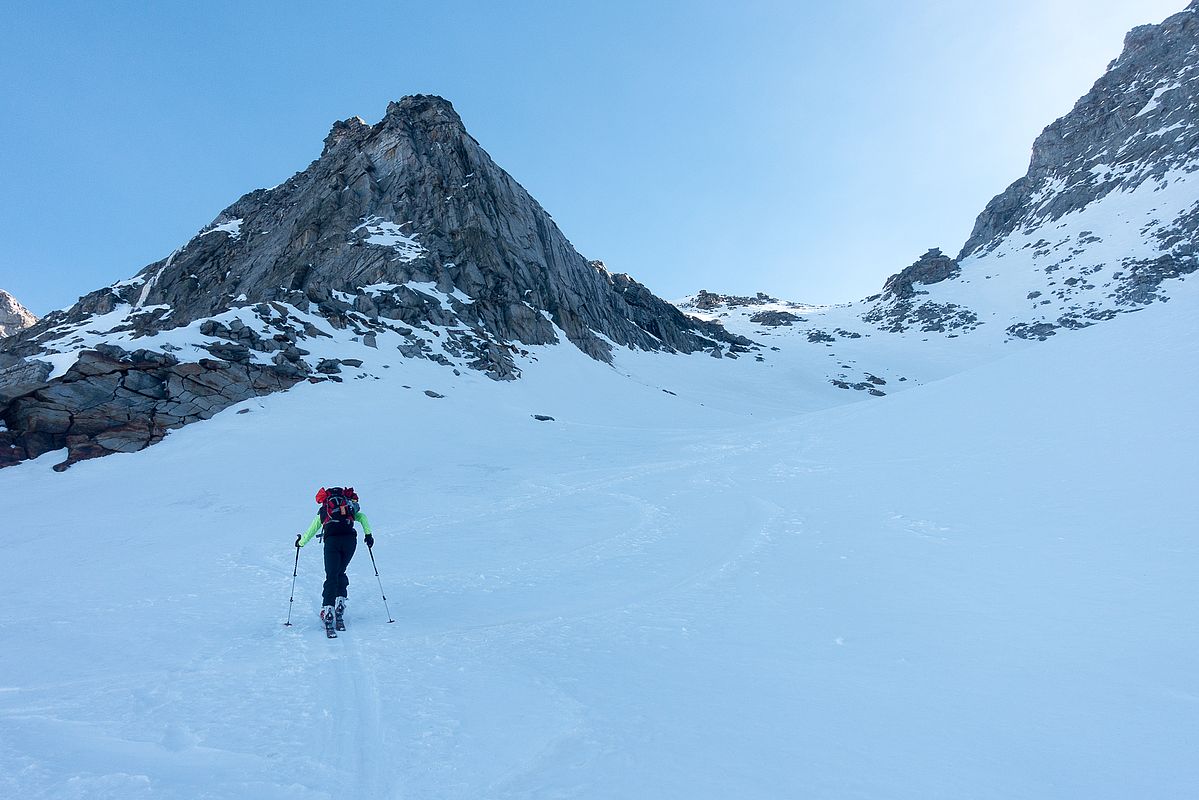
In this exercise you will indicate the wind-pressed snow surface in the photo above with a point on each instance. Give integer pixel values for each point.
(981, 587)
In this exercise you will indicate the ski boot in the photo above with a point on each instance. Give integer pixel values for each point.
(327, 617)
(339, 611)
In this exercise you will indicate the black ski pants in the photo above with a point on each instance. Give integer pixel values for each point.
(339, 549)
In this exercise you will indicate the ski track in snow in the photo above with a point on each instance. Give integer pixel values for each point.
(925, 596)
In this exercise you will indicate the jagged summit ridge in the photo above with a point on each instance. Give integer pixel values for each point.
(434, 114)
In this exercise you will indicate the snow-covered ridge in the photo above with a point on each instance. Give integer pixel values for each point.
(720, 307)
(811, 349)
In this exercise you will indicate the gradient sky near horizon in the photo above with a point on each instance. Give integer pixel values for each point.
(805, 150)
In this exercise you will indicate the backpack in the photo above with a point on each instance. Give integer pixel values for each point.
(340, 505)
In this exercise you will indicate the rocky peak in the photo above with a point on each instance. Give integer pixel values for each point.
(424, 116)
(412, 199)
(13, 316)
(428, 109)
(403, 234)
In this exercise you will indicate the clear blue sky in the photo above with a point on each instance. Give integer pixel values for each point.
(807, 150)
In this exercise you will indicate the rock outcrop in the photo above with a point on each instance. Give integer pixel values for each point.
(14, 317)
(932, 267)
(901, 309)
(706, 301)
(114, 401)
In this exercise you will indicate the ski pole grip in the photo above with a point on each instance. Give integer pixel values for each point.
(299, 536)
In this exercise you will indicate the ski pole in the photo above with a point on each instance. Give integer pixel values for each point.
(370, 549)
(295, 570)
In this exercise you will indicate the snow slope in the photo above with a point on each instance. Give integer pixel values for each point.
(979, 587)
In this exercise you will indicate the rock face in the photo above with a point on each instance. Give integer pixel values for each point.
(1106, 217)
(404, 234)
(1136, 124)
(13, 316)
(933, 267)
(113, 401)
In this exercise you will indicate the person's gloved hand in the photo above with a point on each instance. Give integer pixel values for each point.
(299, 536)
(370, 540)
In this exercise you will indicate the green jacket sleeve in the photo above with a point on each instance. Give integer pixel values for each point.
(312, 529)
(366, 525)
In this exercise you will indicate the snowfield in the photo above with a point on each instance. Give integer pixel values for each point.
(702, 579)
